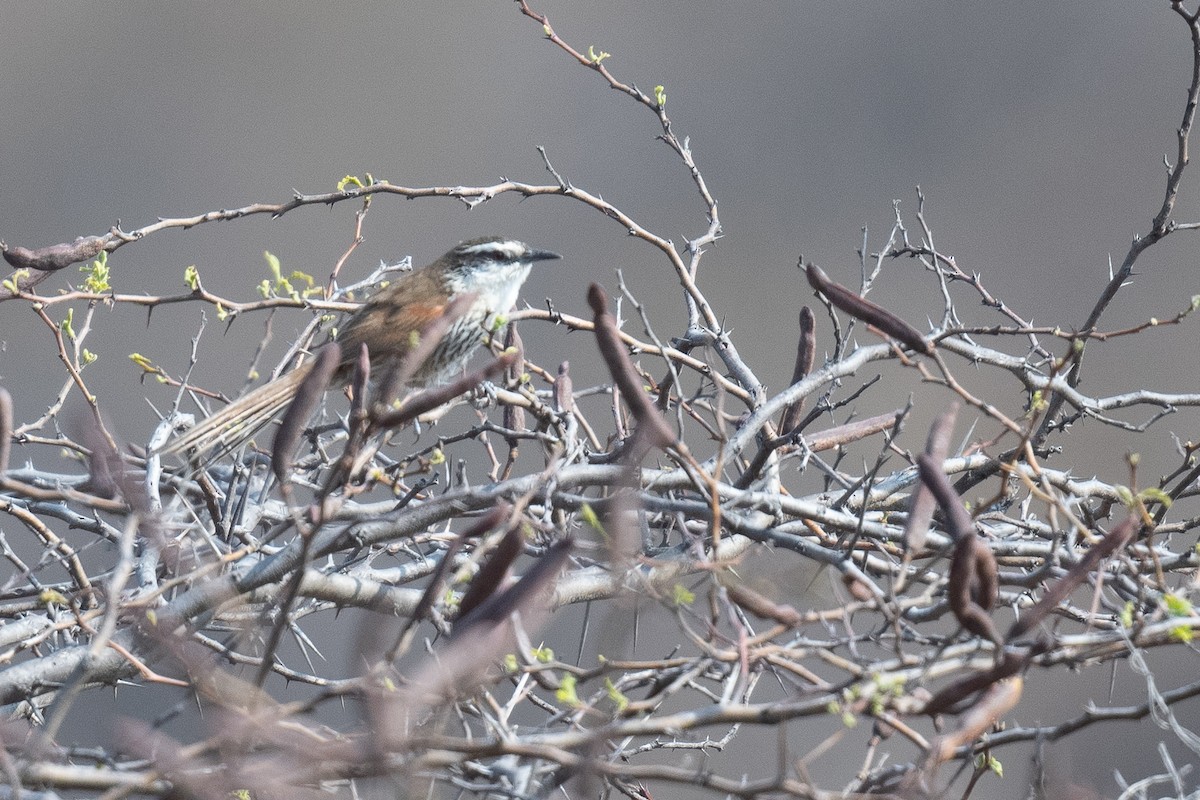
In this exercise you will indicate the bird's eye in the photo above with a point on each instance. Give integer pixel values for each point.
(505, 253)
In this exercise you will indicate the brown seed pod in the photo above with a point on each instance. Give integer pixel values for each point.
(6, 428)
(957, 519)
(950, 696)
(806, 353)
(436, 396)
(55, 256)
(490, 578)
(650, 421)
(419, 352)
(1000, 698)
(971, 589)
(514, 415)
(433, 589)
(1113, 541)
(851, 432)
(874, 315)
(523, 593)
(308, 394)
(920, 511)
(762, 606)
(564, 398)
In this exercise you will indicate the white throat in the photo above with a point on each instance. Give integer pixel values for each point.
(496, 289)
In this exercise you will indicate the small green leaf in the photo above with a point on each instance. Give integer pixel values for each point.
(191, 276)
(590, 518)
(221, 312)
(566, 693)
(88, 356)
(53, 597)
(682, 596)
(1182, 633)
(1127, 614)
(65, 325)
(660, 95)
(1155, 495)
(615, 694)
(1124, 495)
(13, 282)
(97, 274)
(310, 287)
(264, 288)
(990, 763)
(1177, 606)
(595, 57)
(511, 665)
(274, 265)
(543, 654)
(350, 180)
(146, 364)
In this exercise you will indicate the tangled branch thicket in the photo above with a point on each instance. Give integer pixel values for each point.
(653, 485)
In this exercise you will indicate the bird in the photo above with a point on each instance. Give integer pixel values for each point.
(487, 273)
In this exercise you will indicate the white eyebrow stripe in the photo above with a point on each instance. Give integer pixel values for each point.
(509, 249)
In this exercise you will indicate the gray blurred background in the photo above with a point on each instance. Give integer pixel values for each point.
(1035, 130)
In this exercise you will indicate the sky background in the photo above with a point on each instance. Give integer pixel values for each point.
(1035, 130)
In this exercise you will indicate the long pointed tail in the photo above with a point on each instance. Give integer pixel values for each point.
(242, 418)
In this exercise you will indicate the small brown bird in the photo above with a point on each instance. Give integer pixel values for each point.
(491, 270)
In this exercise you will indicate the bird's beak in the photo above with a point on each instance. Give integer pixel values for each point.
(541, 255)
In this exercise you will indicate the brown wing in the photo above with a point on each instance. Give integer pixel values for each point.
(388, 322)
